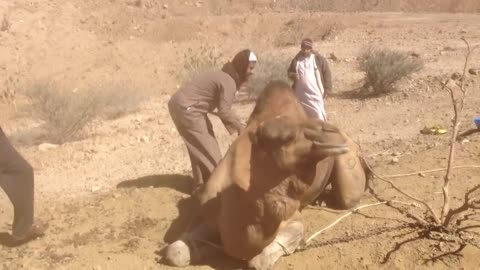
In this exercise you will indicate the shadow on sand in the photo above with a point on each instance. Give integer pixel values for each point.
(178, 182)
(188, 210)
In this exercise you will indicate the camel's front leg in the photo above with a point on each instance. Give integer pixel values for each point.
(288, 239)
(191, 247)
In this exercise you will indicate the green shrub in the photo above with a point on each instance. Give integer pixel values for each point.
(384, 67)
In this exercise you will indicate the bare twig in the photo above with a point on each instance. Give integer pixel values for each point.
(455, 252)
(402, 211)
(326, 209)
(359, 236)
(398, 246)
(435, 217)
(430, 171)
(342, 217)
(457, 109)
(468, 203)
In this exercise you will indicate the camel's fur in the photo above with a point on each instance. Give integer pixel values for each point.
(280, 163)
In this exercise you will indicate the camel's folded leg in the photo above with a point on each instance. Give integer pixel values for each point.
(286, 242)
(191, 247)
(349, 178)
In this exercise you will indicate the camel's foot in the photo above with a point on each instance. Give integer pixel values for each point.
(191, 248)
(286, 242)
(178, 254)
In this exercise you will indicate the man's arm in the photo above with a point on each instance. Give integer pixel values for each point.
(326, 74)
(292, 70)
(225, 113)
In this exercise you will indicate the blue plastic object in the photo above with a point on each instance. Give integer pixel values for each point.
(477, 121)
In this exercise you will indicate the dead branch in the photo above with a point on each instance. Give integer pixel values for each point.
(467, 217)
(340, 218)
(400, 210)
(468, 203)
(359, 236)
(457, 109)
(467, 133)
(466, 228)
(398, 246)
(435, 217)
(430, 171)
(455, 252)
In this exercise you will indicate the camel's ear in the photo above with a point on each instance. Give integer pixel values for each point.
(327, 139)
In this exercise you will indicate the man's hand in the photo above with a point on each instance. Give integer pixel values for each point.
(293, 76)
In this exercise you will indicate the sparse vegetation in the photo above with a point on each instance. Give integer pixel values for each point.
(384, 67)
(5, 26)
(66, 113)
(296, 29)
(8, 93)
(270, 67)
(121, 98)
(201, 59)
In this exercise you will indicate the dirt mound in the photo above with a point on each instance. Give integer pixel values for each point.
(390, 5)
(218, 6)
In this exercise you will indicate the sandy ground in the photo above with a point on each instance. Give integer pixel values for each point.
(113, 198)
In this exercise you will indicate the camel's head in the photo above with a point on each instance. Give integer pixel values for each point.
(291, 143)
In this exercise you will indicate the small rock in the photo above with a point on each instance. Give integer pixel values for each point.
(165, 6)
(143, 139)
(414, 54)
(448, 48)
(456, 76)
(464, 141)
(422, 175)
(463, 31)
(46, 146)
(116, 195)
(333, 57)
(474, 71)
(95, 188)
(394, 160)
(98, 267)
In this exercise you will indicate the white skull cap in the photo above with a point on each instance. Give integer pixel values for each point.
(252, 57)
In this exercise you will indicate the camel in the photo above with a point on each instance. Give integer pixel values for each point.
(280, 163)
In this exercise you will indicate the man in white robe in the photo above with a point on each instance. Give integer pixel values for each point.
(312, 80)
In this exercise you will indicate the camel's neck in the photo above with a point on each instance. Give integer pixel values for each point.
(280, 202)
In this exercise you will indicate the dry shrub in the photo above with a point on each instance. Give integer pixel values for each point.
(66, 113)
(5, 25)
(121, 98)
(198, 60)
(384, 67)
(318, 29)
(7, 91)
(269, 67)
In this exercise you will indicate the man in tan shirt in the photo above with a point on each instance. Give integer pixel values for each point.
(206, 92)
